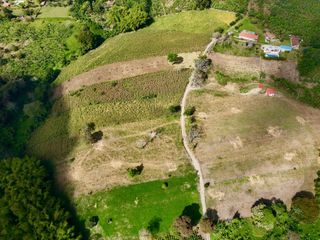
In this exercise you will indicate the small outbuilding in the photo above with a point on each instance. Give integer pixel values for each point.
(269, 37)
(271, 92)
(272, 55)
(295, 42)
(285, 48)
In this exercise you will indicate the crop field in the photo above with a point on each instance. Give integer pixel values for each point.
(124, 211)
(254, 146)
(126, 111)
(183, 32)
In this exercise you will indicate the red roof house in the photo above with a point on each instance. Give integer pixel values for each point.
(248, 36)
(260, 85)
(295, 42)
(271, 92)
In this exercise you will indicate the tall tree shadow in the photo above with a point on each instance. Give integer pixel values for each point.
(192, 211)
(52, 142)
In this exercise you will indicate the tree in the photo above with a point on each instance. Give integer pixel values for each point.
(87, 40)
(136, 170)
(5, 13)
(200, 74)
(203, 4)
(124, 19)
(29, 210)
(190, 111)
(88, 129)
(183, 226)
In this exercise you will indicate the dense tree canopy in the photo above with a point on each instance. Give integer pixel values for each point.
(28, 210)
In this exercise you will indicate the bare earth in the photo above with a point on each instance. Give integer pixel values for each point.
(104, 165)
(121, 70)
(255, 147)
(255, 65)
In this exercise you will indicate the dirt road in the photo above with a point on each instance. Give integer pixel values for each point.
(195, 162)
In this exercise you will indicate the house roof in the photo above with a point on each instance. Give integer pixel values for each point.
(286, 47)
(270, 49)
(295, 40)
(270, 91)
(270, 35)
(249, 35)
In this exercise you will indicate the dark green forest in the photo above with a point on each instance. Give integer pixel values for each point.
(28, 207)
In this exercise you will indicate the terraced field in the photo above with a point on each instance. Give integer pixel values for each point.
(126, 112)
(183, 32)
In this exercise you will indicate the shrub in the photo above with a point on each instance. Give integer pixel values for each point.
(219, 29)
(93, 221)
(203, 4)
(150, 96)
(87, 130)
(135, 171)
(175, 108)
(232, 23)
(305, 210)
(154, 225)
(165, 185)
(114, 83)
(190, 111)
(183, 226)
(174, 58)
(206, 225)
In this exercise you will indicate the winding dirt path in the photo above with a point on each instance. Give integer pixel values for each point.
(195, 162)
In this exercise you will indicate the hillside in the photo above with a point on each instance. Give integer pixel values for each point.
(286, 17)
(155, 120)
(302, 18)
(184, 32)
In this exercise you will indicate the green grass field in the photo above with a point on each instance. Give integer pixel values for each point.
(54, 12)
(183, 32)
(132, 208)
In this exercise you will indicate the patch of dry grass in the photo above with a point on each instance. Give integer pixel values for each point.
(126, 111)
(255, 147)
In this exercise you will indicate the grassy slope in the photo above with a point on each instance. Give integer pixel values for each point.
(54, 12)
(152, 202)
(184, 32)
(106, 106)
